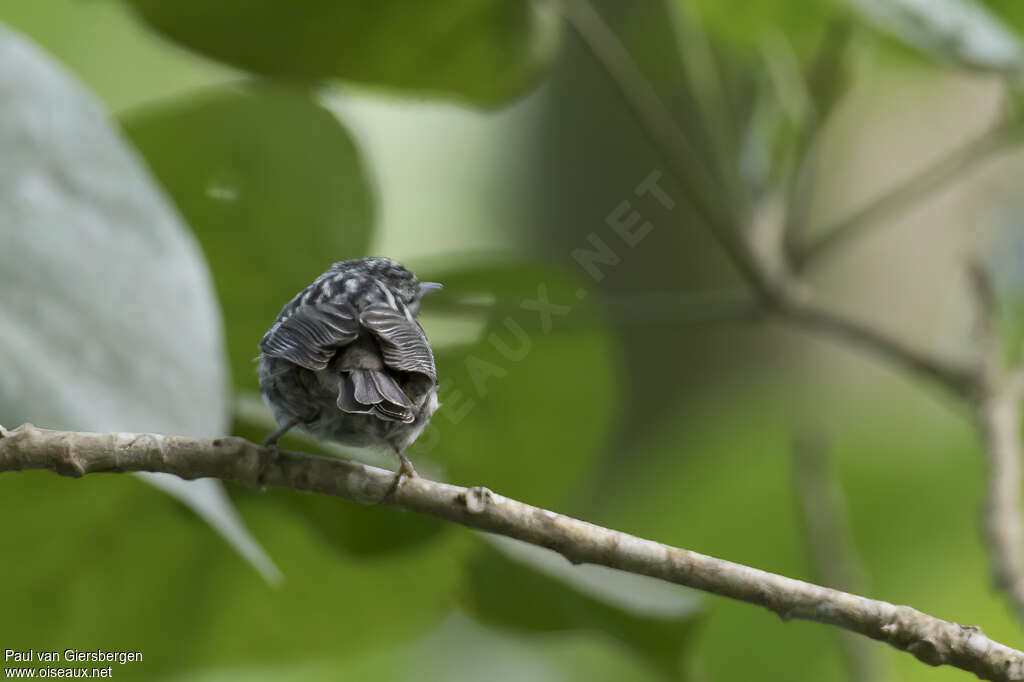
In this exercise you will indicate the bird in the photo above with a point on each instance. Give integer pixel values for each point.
(347, 360)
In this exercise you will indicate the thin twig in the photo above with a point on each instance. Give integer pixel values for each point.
(998, 413)
(826, 81)
(934, 641)
(833, 559)
(999, 417)
(703, 73)
(1000, 138)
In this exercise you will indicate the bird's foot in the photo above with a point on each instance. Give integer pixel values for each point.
(405, 470)
(270, 442)
(406, 467)
(270, 445)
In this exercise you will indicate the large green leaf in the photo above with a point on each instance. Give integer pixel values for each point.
(1010, 11)
(460, 650)
(526, 407)
(751, 26)
(108, 315)
(516, 586)
(113, 54)
(272, 185)
(483, 51)
(104, 564)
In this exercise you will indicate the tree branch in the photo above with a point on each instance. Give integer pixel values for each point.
(768, 271)
(802, 312)
(765, 272)
(999, 415)
(997, 408)
(934, 641)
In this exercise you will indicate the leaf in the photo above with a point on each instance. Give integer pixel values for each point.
(459, 650)
(528, 406)
(338, 600)
(482, 51)
(1010, 11)
(746, 25)
(274, 188)
(106, 561)
(515, 585)
(109, 318)
(208, 499)
(960, 32)
(110, 52)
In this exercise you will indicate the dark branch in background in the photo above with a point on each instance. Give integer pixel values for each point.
(826, 79)
(994, 394)
(999, 139)
(703, 191)
(801, 312)
(834, 562)
(934, 641)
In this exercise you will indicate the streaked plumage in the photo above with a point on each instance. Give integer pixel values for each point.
(347, 360)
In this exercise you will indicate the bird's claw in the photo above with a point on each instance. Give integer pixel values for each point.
(405, 470)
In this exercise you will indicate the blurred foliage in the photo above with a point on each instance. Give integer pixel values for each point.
(462, 650)
(113, 53)
(104, 563)
(719, 482)
(104, 286)
(670, 430)
(483, 51)
(800, 23)
(960, 32)
(272, 185)
(1009, 10)
(529, 373)
(513, 595)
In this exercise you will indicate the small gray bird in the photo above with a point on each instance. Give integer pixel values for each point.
(346, 359)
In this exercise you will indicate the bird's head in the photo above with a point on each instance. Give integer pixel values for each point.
(402, 283)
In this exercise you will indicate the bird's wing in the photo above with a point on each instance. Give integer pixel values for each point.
(402, 341)
(312, 334)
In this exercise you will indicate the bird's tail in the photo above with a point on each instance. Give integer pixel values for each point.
(374, 391)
